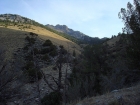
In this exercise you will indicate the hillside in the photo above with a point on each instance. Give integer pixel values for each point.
(77, 34)
(17, 54)
(45, 34)
(44, 65)
(125, 96)
(14, 44)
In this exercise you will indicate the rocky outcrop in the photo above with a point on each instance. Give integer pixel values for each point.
(77, 34)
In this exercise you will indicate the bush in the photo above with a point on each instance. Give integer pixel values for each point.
(45, 50)
(46, 57)
(52, 47)
(26, 48)
(61, 46)
(36, 51)
(27, 38)
(33, 34)
(53, 53)
(29, 57)
(63, 51)
(54, 98)
(31, 72)
(47, 43)
(30, 40)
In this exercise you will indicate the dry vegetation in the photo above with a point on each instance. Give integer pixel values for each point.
(126, 96)
(45, 34)
(11, 40)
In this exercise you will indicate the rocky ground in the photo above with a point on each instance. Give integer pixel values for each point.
(126, 96)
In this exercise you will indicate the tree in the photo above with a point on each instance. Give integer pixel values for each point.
(131, 19)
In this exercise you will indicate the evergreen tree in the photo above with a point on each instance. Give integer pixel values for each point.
(131, 19)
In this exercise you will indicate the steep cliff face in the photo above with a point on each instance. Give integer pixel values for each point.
(65, 29)
(15, 18)
(77, 34)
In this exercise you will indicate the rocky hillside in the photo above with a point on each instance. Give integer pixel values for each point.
(126, 96)
(17, 47)
(77, 34)
(16, 18)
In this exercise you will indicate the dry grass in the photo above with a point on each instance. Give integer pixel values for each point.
(56, 39)
(126, 96)
(11, 40)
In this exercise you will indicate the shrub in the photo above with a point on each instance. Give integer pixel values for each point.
(27, 38)
(53, 53)
(52, 47)
(45, 50)
(29, 57)
(26, 48)
(30, 40)
(61, 46)
(36, 51)
(46, 57)
(31, 72)
(54, 98)
(47, 43)
(63, 51)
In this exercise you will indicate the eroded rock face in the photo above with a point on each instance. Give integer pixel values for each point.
(15, 18)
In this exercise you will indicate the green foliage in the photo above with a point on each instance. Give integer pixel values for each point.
(31, 41)
(46, 57)
(131, 19)
(26, 47)
(33, 34)
(47, 43)
(36, 51)
(63, 51)
(53, 53)
(74, 54)
(61, 46)
(53, 47)
(54, 98)
(45, 50)
(29, 57)
(32, 72)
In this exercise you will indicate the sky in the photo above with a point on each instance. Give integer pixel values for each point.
(95, 18)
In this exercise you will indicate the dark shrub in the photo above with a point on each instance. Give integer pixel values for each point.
(29, 65)
(54, 98)
(32, 72)
(63, 51)
(26, 48)
(45, 50)
(30, 40)
(36, 51)
(46, 57)
(61, 46)
(53, 53)
(54, 68)
(52, 47)
(33, 34)
(29, 57)
(47, 43)
(27, 38)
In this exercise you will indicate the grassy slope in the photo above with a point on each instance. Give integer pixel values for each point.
(12, 37)
(10, 40)
(126, 96)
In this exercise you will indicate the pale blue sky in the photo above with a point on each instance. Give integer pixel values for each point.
(96, 18)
